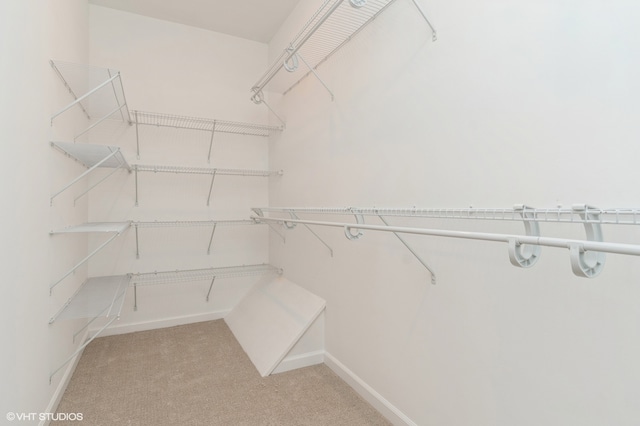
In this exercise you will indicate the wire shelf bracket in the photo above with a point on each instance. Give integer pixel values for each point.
(194, 275)
(100, 297)
(334, 24)
(114, 228)
(142, 118)
(99, 92)
(200, 171)
(92, 157)
(587, 256)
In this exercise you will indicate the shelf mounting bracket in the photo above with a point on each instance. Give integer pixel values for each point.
(402, 240)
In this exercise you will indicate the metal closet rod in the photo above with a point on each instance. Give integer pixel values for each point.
(587, 256)
(617, 248)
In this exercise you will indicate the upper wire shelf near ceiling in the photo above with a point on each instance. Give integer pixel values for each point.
(98, 92)
(333, 25)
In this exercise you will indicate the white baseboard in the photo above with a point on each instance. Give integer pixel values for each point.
(62, 385)
(299, 361)
(161, 323)
(387, 409)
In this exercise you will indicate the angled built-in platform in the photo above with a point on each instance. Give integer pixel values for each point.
(278, 318)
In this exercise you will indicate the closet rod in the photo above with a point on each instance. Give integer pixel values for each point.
(577, 247)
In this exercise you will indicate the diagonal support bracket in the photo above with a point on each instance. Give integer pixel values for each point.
(402, 240)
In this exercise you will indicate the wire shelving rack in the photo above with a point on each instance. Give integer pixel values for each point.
(213, 126)
(213, 224)
(98, 92)
(213, 172)
(334, 24)
(198, 275)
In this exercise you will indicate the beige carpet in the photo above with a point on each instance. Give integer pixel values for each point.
(198, 374)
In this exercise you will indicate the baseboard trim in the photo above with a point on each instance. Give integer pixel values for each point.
(62, 385)
(162, 323)
(387, 409)
(299, 361)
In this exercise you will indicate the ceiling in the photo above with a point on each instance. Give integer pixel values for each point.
(256, 20)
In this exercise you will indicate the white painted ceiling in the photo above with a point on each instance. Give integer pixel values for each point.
(256, 20)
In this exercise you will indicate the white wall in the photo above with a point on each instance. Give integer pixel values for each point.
(32, 33)
(517, 102)
(176, 69)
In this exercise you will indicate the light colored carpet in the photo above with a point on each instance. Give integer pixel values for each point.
(198, 374)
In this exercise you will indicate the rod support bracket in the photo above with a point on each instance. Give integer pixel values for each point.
(521, 255)
(348, 229)
(587, 264)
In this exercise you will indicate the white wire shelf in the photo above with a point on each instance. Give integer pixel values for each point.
(97, 91)
(334, 24)
(95, 227)
(213, 224)
(213, 172)
(92, 157)
(192, 275)
(199, 275)
(204, 170)
(115, 228)
(213, 126)
(587, 256)
(578, 214)
(99, 297)
(204, 124)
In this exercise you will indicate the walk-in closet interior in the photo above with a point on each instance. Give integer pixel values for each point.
(438, 201)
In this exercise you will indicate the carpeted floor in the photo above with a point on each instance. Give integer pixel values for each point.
(198, 374)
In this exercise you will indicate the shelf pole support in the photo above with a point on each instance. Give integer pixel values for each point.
(211, 239)
(213, 132)
(119, 108)
(137, 246)
(79, 264)
(97, 183)
(135, 296)
(81, 348)
(86, 95)
(434, 34)
(135, 168)
(95, 166)
(135, 114)
(293, 215)
(213, 176)
(210, 287)
(317, 76)
(402, 240)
